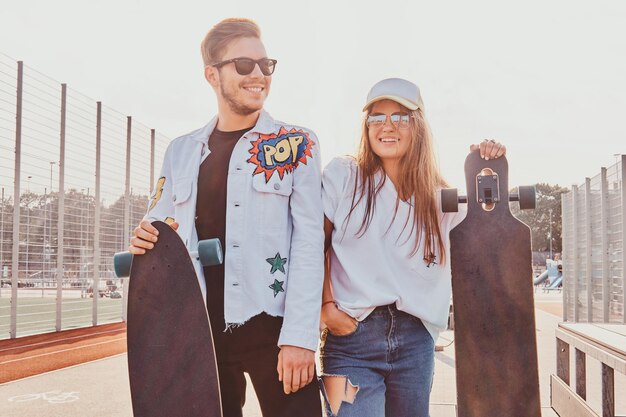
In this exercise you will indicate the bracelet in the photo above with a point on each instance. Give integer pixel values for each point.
(326, 302)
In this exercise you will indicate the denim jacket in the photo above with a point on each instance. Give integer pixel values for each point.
(274, 248)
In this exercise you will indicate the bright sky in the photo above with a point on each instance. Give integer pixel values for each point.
(547, 78)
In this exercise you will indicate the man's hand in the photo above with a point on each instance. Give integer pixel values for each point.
(489, 149)
(144, 237)
(296, 367)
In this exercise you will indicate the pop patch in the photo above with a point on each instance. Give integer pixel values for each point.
(280, 152)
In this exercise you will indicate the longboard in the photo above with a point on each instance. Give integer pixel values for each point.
(495, 339)
(171, 357)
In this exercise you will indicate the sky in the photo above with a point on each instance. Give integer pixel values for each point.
(546, 78)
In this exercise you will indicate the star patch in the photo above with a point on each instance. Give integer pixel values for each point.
(280, 152)
(277, 286)
(278, 263)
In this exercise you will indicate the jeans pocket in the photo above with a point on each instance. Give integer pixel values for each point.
(358, 324)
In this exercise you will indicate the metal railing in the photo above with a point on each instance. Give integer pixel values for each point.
(80, 173)
(572, 388)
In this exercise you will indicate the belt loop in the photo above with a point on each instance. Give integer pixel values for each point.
(392, 309)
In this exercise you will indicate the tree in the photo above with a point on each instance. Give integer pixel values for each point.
(548, 211)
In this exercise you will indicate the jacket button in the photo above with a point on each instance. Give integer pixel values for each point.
(277, 186)
(174, 197)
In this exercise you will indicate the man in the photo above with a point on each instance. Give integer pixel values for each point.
(255, 183)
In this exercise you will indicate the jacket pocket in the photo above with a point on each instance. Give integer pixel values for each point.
(271, 199)
(275, 185)
(181, 191)
(184, 209)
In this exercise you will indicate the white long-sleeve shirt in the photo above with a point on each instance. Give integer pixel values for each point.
(274, 222)
(377, 268)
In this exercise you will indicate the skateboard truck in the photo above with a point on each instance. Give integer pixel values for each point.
(487, 187)
(209, 253)
(487, 194)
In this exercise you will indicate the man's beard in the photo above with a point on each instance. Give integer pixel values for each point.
(234, 105)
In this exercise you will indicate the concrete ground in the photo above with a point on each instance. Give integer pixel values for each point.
(444, 386)
(100, 388)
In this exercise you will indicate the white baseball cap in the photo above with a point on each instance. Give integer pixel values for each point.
(401, 91)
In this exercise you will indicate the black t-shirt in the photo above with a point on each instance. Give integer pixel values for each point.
(211, 214)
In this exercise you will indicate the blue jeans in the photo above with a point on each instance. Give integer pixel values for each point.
(383, 369)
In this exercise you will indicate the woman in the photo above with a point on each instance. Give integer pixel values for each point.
(387, 287)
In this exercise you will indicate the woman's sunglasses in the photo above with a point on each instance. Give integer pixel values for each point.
(245, 66)
(399, 120)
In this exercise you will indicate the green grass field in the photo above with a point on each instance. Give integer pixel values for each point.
(37, 314)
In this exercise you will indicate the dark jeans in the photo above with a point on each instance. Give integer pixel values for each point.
(252, 348)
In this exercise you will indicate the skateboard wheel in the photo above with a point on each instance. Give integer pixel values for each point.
(210, 252)
(449, 200)
(122, 262)
(527, 197)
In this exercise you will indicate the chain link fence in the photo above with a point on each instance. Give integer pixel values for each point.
(80, 173)
(594, 226)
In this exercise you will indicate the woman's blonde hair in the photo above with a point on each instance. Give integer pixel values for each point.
(418, 181)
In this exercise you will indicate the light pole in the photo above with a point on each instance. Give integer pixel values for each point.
(550, 233)
(82, 221)
(117, 234)
(43, 243)
(27, 229)
(52, 163)
(48, 245)
(88, 219)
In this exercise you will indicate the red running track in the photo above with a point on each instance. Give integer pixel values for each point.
(33, 355)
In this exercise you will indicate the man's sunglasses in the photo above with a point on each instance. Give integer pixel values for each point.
(400, 120)
(245, 66)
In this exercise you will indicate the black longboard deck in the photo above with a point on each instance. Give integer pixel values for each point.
(171, 357)
(495, 339)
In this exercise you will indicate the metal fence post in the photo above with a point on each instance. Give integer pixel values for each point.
(588, 253)
(604, 233)
(16, 200)
(152, 143)
(96, 241)
(623, 190)
(61, 210)
(129, 126)
(565, 232)
(575, 267)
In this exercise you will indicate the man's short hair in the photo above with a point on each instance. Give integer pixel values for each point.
(223, 33)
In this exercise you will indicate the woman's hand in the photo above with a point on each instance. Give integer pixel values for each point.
(489, 149)
(338, 322)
